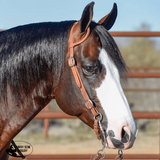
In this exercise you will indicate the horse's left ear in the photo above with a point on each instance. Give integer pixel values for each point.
(86, 17)
(110, 18)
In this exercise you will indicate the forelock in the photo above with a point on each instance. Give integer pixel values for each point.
(111, 49)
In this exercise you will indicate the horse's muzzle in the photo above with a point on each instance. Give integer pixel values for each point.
(123, 141)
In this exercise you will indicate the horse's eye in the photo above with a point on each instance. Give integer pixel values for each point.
(89, 70)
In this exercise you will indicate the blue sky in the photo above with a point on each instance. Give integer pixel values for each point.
(131, 13)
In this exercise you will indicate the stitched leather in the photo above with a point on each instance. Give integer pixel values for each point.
(78, 80)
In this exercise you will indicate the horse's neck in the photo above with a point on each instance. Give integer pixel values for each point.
(14, 117)
(16, 114)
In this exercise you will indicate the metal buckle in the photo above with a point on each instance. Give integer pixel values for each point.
(90, 102)
(100, 117)
(73, 61)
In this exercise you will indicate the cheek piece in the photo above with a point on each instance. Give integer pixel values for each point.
(97, 126)
(88, 101)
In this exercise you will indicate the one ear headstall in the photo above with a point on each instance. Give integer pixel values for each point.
(97, 126)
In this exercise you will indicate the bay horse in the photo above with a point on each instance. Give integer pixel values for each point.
(78, 64)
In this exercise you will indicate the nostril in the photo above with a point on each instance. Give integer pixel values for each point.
(111, 133)
(125, 136)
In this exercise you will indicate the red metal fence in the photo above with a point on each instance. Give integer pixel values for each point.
(137, 115)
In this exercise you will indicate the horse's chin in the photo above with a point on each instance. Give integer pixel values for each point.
(121, 145)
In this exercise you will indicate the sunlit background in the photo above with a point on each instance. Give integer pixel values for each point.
(72, 136)
(131, 13)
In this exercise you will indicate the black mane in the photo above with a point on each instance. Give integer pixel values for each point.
(111, 48)
(34, 54)
(29, 53)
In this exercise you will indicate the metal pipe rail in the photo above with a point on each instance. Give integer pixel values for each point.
(136, 34)
(143, 75)
(60, 115)
(145, 68)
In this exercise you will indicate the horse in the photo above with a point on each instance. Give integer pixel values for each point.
(78, 64)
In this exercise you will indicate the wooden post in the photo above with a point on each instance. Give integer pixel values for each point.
(159, 139)
(46, 123)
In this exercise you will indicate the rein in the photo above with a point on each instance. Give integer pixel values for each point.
(88, 102)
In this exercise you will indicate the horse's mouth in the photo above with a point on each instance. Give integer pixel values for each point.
(114, 143)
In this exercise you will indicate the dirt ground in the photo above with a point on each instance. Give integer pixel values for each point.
(143, 145)
(83, 143)
(85, 148)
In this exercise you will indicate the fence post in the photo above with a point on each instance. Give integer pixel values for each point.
(46, 123)
(159, 139)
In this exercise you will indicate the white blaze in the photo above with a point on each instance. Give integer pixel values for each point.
(113, 99)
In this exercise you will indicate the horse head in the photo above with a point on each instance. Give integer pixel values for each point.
(100, 64)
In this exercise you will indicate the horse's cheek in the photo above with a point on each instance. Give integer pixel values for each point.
(64, 94)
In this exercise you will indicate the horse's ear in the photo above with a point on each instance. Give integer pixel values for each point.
(86, 17)
(110, 18)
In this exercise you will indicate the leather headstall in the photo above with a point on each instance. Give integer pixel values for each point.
(88, 102)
